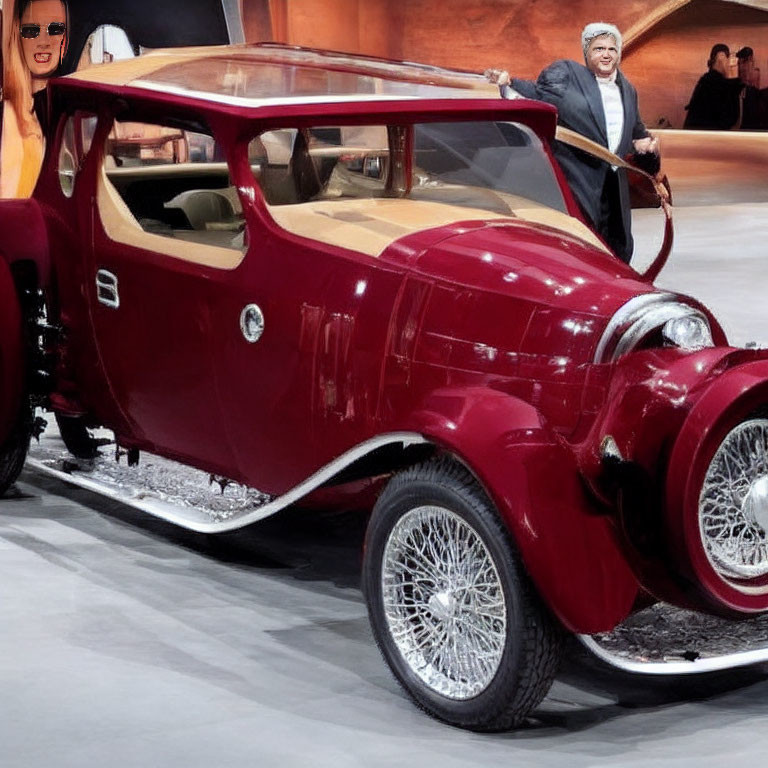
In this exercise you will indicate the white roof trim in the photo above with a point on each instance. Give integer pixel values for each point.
(243, 101)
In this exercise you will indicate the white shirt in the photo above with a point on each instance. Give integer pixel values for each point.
(613, 108)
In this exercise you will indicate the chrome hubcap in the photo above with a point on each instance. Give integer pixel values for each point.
(755, 507)
(442, 605)
(733, 504)
(443, 601)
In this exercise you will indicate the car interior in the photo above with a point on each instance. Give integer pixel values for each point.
(338, 185)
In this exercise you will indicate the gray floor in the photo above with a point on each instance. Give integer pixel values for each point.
(127, 642)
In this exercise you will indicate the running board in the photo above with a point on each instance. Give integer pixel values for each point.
(183, 495)
(664, 640)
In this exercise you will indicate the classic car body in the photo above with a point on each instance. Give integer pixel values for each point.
(300, 270)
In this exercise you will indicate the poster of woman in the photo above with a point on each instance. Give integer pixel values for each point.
(34, 44)
(47, 38)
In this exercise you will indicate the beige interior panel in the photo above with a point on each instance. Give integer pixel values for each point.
(121, 226)
(168, 170)
(369, 226)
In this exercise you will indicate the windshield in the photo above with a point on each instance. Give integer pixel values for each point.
(374, 183)
(506, 158)
(462, 163)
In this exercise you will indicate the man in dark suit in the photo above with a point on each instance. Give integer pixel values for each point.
(597, 101)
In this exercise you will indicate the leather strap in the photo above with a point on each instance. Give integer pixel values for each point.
(576, 140)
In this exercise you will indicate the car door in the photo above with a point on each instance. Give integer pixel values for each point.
(303, 387)
(157, 263)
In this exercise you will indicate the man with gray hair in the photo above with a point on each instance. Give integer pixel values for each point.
(596, 100)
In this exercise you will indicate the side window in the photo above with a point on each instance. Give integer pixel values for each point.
(298, 165)
(175, 183)
(75, 144)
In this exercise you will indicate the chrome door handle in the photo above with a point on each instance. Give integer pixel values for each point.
(251, 322)
(106, 289)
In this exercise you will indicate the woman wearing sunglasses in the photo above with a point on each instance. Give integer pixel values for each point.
(37, 43)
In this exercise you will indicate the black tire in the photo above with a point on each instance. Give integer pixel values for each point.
(523, 646)
(76, 436)
(13, 452)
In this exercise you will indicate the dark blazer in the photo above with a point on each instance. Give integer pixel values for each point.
(714, 103)
(573, 89)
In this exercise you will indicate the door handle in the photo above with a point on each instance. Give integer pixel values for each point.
(106, 289)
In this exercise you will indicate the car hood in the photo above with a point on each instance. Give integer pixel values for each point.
(520, 300)
(533, 262)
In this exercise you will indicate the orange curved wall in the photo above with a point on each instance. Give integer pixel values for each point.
(521, 36)
(468, 34)
(666, 63)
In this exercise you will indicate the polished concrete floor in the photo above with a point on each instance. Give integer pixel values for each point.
(127, 642)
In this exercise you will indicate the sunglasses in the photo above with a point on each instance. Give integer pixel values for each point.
(31, 31)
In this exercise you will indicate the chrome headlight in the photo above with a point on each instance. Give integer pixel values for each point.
(690, 331)
(653, 313)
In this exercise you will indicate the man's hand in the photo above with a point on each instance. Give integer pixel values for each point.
(647, 145)
(497, 76)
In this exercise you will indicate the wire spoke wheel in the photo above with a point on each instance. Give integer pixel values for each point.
(451, 606)
(733, 503)
(444, 601)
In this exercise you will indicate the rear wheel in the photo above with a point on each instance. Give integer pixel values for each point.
(451, 607)
(13, 451)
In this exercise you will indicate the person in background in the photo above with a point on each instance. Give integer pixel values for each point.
(37, 43)
(596, 100)
(749, 74)
(715, 103)
(754, 113)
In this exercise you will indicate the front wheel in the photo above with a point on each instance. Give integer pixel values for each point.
(451, 607)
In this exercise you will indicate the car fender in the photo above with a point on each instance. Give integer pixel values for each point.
(567, 544)
(11, 352)
(732, 397)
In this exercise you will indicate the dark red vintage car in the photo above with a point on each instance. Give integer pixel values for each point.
(312, 274)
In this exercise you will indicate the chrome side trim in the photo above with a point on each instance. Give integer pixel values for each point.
(625, 317)
(196, 520)
(233, 20)
(677, 666)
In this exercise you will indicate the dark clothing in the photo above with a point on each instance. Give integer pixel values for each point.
(755, 109)
(573, 89)
(40, 101)
(714, 104)
(611, 225)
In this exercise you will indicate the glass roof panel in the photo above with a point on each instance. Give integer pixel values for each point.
(245, 80)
